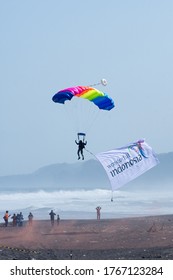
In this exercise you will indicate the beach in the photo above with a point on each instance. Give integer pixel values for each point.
(127, 238)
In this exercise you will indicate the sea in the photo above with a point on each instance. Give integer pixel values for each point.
(81, 204)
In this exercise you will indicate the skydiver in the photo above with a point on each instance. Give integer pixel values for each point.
(81, 145)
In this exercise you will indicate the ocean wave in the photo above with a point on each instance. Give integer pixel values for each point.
(82, 204)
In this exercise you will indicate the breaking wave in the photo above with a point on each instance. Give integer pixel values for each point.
(81, 204)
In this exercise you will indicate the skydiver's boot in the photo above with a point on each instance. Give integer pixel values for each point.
(83, 157)
(78, 158)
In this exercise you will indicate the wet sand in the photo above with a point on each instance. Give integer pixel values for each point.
(127, 238)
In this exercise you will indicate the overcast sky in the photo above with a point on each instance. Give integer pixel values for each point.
(50, 45)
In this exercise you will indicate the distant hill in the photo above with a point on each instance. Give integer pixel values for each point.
(81, 175)
(87, 175)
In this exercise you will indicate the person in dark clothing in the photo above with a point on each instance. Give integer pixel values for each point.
(30, 218)
(81, 145)
(58, 219)
(98, 209)
(20, 219)
(14, 218)
(52, 217)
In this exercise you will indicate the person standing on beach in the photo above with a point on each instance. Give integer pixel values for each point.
(52, 217)
(58, 219)
(20, 219)
(98, 209)
(30, 218)
(6, 217)
(14, 218)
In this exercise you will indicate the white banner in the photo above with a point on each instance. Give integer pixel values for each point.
(124, 164)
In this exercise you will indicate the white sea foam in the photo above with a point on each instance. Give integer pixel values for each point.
(81, 204)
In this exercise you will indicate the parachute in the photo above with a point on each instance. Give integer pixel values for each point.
(99, 98)
(82, 105)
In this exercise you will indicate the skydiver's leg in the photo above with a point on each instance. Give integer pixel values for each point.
(82, 154)
(78, 154)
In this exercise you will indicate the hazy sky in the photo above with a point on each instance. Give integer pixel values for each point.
(50, 45)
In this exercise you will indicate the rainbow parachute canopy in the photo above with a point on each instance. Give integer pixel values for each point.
(99, 98)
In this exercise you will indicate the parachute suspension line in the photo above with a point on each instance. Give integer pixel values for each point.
(103, 82)
(84, 114)
(93, 116)
(93, 85)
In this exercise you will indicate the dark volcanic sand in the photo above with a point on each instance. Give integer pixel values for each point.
(128, 238)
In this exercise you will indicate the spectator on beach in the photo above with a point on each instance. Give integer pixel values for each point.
(19, 219)
(98, 209)
(52, 217)
(14, 218)
(6, 217)
(58, 219)
(30, 218)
